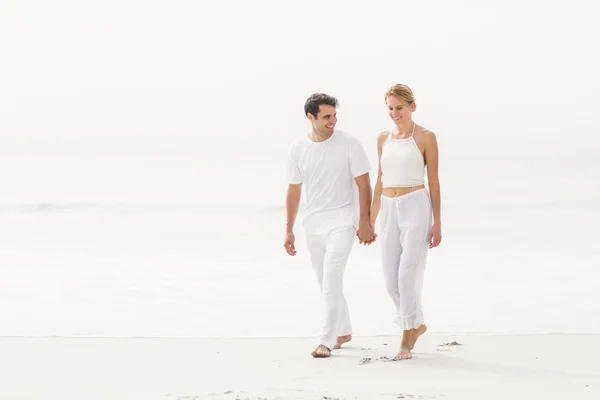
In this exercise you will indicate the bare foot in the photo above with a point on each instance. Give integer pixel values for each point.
(321, 352)
(404, 354)
(415, 335)
(341, 340)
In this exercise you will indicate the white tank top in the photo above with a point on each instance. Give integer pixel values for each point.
(402, 163)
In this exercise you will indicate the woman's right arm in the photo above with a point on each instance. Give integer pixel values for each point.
(376, 205)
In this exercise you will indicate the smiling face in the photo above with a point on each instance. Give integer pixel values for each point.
(399, 110)
(401, 104)
(321, 110)
(323, 124)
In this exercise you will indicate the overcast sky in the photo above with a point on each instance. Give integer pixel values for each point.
(483, 70)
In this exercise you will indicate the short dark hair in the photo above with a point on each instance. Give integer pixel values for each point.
(315, 100)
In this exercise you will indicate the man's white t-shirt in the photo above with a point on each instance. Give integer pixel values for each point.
(327, 170)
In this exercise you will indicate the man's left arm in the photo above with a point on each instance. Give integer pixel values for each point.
(364, 197)
(360, 167)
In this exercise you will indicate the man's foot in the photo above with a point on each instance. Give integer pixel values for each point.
(415, 335)
(321, 352)
(341, 340)
(404, 354)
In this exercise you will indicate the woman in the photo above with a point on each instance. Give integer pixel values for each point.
(410, 214)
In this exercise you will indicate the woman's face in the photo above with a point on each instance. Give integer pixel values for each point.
(399, 110)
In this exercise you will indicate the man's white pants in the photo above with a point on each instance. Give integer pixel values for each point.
(329, 254)
(405, 227)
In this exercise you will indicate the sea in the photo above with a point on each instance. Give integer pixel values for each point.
(143, 150)
(183, 237)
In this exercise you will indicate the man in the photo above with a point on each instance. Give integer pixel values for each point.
(334, 168)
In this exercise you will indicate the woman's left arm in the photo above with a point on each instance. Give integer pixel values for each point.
(432, 161)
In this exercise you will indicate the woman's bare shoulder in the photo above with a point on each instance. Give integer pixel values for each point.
(424, 131)
(425, 134)
(383, 135)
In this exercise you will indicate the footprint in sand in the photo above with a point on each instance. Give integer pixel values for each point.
(450, 344)
(412, 396)
(447, 346)
(369, 360)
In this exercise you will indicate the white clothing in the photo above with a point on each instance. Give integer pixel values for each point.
(402, 163)
(327, 170)
(405, 225)
(329, 253)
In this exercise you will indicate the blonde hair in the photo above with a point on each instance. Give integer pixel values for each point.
(402, 92)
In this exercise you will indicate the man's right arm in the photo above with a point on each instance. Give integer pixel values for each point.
(295, 178)
(292, 205)
(376, 206)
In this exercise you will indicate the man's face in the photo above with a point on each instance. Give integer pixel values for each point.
(324, 122)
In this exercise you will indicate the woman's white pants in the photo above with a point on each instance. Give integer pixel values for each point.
(405, 225)
(329, 254)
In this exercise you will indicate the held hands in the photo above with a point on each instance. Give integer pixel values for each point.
(435, 236)
(366, 232)
(289, 243)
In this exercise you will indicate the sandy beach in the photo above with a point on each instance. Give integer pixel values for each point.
(144, 150)
(444, 367)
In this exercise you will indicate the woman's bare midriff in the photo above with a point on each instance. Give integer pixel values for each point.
(400, 191)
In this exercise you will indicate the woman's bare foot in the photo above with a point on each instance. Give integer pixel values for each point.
(321, 352)
(341, 340)
(415, 335)
(404, 354)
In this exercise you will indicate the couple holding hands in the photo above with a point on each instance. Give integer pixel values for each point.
(332, 167)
